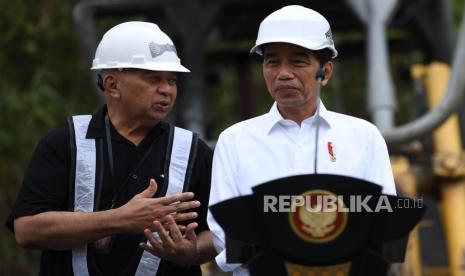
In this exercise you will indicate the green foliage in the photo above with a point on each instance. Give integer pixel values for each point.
(42, 80)
(458, 7)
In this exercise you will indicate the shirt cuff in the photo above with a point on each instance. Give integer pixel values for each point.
(221, 262)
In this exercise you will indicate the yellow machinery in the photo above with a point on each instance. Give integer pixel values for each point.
(406, 186)
(449, 167)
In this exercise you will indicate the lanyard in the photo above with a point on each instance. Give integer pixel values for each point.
(116, 193)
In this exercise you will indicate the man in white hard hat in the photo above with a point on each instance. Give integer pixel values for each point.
(97, 188)
(296, 43)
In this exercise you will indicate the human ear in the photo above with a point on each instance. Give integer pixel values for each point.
(328, 70)
(110, 83)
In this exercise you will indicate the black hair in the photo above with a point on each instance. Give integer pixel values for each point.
(323, 55)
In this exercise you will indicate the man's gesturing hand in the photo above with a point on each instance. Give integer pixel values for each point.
(140, 212)
(172, 246)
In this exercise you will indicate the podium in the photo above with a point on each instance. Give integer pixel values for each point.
(317, 224)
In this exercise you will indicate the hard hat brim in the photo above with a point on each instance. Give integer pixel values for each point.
(155, 66)
(258, 46)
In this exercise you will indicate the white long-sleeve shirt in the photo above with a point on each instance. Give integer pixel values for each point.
(268, 147)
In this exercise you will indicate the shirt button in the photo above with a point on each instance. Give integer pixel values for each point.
(134, 176)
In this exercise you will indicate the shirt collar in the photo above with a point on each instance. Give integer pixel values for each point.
(96, 127)
(274, 117)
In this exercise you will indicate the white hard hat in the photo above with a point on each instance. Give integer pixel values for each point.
(297, 25)
(139, 45)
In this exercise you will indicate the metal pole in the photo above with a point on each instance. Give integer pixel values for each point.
(406, 182)
(87, 33)
(198, 17)
(380, 92)
(449, 166)
(381, 102)
(430, 121)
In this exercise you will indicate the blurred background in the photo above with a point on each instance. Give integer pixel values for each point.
(394, 65)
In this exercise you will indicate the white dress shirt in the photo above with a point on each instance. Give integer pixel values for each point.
(268, 147)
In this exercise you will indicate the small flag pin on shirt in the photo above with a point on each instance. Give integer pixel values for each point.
(331, 152)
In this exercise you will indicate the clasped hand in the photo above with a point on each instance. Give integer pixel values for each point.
(172, 245)
(143, 209)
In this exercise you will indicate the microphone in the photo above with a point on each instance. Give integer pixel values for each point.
(320, 75)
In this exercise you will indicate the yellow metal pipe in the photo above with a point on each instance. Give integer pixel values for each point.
(406, 186)
(448, 150)
(452, 210)
(447, 136)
